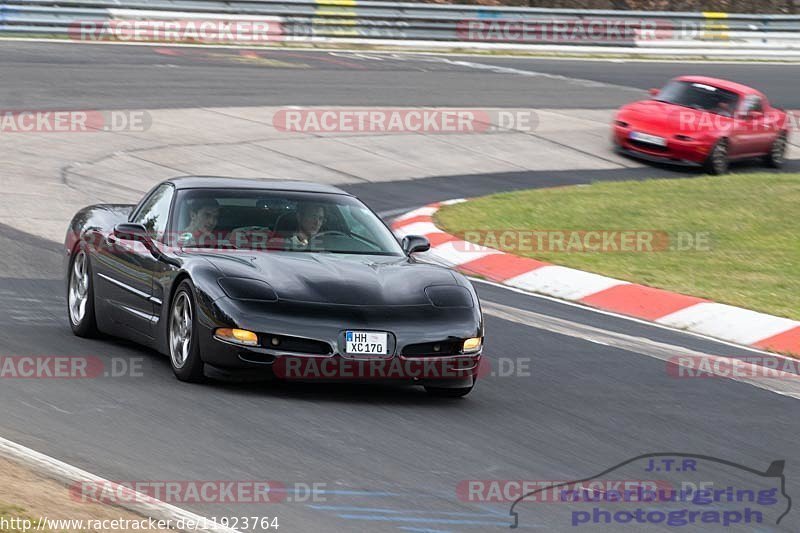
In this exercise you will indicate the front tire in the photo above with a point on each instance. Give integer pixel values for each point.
(777, 152)
(80, 295)
(718, 161)
(182, 335)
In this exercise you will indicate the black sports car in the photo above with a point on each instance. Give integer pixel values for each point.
(297, 280)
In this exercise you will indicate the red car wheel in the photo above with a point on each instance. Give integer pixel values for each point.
(777, 153)
(718, 162)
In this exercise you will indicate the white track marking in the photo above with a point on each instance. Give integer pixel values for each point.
(142, 504)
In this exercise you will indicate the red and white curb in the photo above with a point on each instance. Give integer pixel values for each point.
(697, 315)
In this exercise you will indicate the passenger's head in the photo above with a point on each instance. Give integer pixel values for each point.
(203, 214)
(310, 217)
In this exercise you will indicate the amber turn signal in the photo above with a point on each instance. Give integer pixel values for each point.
(238, 336)
(472, 345)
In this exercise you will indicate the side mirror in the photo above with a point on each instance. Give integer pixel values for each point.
(131, 232)
(137, 232)
(654, 91)
(415, 243)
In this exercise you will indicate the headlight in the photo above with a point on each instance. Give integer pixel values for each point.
(449, 296)
(247, 289)
(683, 138)
(237, 336)
(472, 345)
(621, 123)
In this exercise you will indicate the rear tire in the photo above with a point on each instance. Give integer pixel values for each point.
(182, 335)
(777, 152)
(718, 162)
(80, 294)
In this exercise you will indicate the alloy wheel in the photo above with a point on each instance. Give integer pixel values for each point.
(180, 330)
(78, 294)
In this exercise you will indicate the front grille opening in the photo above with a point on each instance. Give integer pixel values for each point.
(650, 147)
(433, 349)
(285, 343)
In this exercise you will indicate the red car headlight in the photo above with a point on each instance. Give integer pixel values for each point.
(621, 123)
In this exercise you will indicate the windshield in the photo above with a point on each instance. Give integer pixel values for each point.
(252, 219)
(699, 96)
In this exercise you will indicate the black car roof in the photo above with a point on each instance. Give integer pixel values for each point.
(215, 182)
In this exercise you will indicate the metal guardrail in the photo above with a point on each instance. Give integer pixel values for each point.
(332, 19)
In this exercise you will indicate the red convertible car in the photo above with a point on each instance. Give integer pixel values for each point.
(701, 121)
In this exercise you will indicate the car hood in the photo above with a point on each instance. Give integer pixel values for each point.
(336, 278)
(660, 118)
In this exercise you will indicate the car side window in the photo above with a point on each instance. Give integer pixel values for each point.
(154, 213)
(753, 103)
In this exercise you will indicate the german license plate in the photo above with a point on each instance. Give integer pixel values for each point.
(366, 343)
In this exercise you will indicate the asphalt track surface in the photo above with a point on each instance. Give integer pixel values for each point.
(390, 457)
(67, 75)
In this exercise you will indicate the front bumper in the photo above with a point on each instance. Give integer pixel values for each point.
(677, 152)
(656, 159)
(320, 327)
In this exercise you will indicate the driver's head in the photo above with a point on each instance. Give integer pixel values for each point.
(203, 214)
(310, 218)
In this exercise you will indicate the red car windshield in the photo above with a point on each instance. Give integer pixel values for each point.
(699, 96)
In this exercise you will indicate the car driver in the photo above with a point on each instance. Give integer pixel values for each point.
(310, 218)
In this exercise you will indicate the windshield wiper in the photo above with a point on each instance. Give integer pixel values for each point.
(228, 248)
(678, 104)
